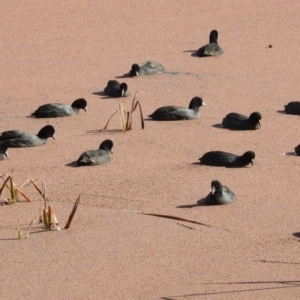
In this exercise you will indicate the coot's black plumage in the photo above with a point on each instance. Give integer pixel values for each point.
(292, 108)
(116, 89)
(3, 150)
(57, 110)
(225, 159)
(97, 157)
(170, 113)
(240, 122)
(146, 68)
(18, 139)
(211, 49)
(297, 150)
(220, 194)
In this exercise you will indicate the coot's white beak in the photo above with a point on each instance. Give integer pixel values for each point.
(203, 104)
(258, 124)
(111, 151)
(252, 161)
(86, 109)
(213, 189)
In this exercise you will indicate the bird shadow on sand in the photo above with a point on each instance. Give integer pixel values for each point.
(218, 126)
(126, 75)
(193, 52)
(284, 113)
(72, 164)
(162, 121)
(200, 202)
(97, 131)
(290, 153)
(248, 286)
(281, 112)
(102, 95)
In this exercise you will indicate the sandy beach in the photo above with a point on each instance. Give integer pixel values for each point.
(59, 51)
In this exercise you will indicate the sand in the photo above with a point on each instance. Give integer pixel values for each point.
(59, 51)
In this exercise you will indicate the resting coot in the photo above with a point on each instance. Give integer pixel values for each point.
(220, 194)
(225, 159)
(292, 108)
(237, 121)
(146, 68)
(211, 49)
(18, 139)
(172, 113)
(116, 89)
(57, 110)
(97, 157)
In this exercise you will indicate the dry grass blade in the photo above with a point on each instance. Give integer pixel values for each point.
(171, 217)
(20, 234)
(105, 127)
(24, 195)
(141, 114)
(122, 117)
(46, 219)
(27, 232)
(53, 223)
(37, 188)
(72, 213)
(4, 184)
(128, 121)
(11, 189)
(126, 117)
(175, 218)
(134, 105)
(129, 114)
(24, 183)
(44, 193)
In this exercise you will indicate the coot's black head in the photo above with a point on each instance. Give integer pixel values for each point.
(80, 104)
(249, 157)
(216, 186)
(123, 89)
(107, 145)
(213, 37)
(46, 132)
(297, 150)
(196, 102)
(135, 69)
(255, 119)
(3, 149)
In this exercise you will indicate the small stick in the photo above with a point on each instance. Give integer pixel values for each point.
(72, 213)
